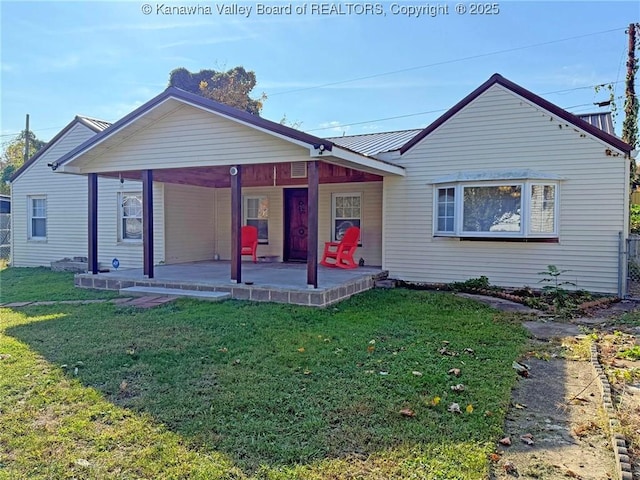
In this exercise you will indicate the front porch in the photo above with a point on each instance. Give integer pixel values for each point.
(263, 282)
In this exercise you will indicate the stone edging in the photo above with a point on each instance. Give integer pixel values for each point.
(618, 441)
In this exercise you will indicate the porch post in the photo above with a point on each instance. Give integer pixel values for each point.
(147, 222)
(312, 238)
(93, 224)
(236, 223)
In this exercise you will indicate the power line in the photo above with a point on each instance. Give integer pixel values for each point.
(444, 62)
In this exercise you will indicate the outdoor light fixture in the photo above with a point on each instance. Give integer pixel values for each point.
(53, 166)
(233, 171)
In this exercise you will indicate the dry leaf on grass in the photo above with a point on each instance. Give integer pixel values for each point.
(454, 408)
(457, 388)
(494, 457)
(417, 373)
(455, 372)
(301, 349)
(407, 412)
(527, 438)
(510, 468)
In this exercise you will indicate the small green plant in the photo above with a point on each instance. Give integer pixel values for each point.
(632, 353)
(481, 283)
(634, 223)
(555, 286)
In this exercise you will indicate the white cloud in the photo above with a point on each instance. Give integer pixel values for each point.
(334, 127)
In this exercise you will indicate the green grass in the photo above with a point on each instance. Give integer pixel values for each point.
(41, 284)
(245, 390)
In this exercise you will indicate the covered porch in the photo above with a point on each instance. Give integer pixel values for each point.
(263, 282)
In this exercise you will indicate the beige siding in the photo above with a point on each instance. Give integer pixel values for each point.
(189, 216)
(191, 137)
(501, 131)
(67, 212)
(371, 236)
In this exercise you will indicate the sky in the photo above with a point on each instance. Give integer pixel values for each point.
(331, 68)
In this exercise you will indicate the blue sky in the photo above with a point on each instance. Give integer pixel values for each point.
(352, 73)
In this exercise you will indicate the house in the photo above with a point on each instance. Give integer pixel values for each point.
(502, 185)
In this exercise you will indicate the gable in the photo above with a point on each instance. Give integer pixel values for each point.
(527, 97)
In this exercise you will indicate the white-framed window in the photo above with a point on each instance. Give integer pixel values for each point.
(130, 216)
(256, 213)
(37, 226)
(507, 209)
(346, 211)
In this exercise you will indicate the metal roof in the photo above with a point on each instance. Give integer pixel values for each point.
(371, 144)
(601, 120)
(98, 125)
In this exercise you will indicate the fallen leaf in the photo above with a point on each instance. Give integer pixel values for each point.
(82, 462)
(417, 373)
(307, 372)
(457, 388)
(370, 348)
(455, 372)
(301, 349)
(488, 413)
(521, 368)
(435, 401)
(407, 412)
(454, 408)
(123, 385)
(223, 349)
(4, 356)
(372, 342)
(506, 441)
(519, 406)
(469, 408)
(572, 474)
(510, 468)
(527, 438)
(384, 373)
(470, 351)
(494, 457)
(236, 361)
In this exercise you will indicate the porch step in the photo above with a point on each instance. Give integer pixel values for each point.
(175, 292)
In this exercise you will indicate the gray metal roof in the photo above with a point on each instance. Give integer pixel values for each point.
(601, 120)
(371, 144)
(98, 125)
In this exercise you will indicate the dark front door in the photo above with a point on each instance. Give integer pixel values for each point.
(296, 228)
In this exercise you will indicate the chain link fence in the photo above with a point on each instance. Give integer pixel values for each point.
(633, 266)
(5, 236)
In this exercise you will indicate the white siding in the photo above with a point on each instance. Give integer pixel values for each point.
(189, 216)
(371, 235)
(67, 212)
(191, 137)
(501, 131)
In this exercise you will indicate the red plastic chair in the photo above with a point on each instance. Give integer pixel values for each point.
(340, 254)
(249, 236)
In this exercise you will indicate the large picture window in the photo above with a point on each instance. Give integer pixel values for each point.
(37, 217)
(346, 212)
(516, 209)
(256, 214)
(130, 216)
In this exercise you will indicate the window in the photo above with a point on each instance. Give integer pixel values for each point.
(347, 212)
(130, 217)
(256, 213)
(37, 217)
(514, 209)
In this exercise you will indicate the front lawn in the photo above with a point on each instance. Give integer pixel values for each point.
(246, 390)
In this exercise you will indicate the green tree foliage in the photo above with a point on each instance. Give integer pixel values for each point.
(231, 87)
(13, 156)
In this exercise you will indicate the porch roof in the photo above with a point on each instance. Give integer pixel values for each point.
(173, 98)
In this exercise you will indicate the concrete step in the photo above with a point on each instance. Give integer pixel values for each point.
(175, 292)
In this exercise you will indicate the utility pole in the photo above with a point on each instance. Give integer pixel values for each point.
(27, 137)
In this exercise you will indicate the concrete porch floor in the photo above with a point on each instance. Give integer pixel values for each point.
(271, 282)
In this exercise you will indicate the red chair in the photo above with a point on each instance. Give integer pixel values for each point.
(340, 254)
(249, 236)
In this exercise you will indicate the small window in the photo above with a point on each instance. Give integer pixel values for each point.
(130, 217)
(37, 217)
(347, 212)
(256, 213)
(525, 210)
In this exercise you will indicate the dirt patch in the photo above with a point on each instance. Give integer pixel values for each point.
(558, 408)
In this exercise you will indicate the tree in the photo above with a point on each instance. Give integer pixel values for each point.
(231, 87)
(13, 156)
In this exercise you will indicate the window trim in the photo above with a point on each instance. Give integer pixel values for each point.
(334, 196)
(30, 218)
(121, 217)
(525, 232)
(245, 200)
